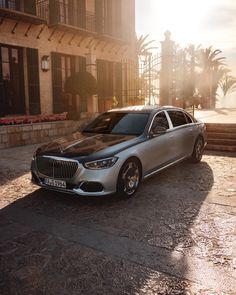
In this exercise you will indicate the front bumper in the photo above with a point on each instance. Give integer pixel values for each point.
(85, 182)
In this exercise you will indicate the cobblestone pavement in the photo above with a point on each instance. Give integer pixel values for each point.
(176, 236)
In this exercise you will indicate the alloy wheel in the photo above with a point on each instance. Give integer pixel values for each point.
(130, 178)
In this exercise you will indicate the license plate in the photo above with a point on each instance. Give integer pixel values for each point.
(55, 182)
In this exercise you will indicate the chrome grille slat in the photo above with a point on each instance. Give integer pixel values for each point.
(55, 167)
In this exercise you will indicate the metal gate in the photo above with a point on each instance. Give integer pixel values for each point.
(141, 81)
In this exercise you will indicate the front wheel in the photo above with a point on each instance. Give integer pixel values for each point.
(129, 178)
(198, 150)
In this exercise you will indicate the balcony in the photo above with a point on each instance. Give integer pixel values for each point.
(61, 15)
(64, 16)
(35, 12)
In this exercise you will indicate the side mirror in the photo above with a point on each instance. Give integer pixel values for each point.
(158, 130)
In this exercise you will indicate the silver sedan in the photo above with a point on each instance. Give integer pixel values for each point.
(119, 149)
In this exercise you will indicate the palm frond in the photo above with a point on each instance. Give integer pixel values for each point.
(228, 84)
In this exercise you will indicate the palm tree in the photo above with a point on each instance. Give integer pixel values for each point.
(143, 59)
(211, 71)
(207, 58)
(228, 84)
(191, 52)
(143, 46)
(218, 74)
(185, 74)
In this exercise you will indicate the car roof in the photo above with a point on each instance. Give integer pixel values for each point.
(143, 109)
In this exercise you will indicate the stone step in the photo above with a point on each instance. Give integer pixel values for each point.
(221, 129)
(221, 137)
(222, 141)
(221, 125)
(217, 147)
(228, 135)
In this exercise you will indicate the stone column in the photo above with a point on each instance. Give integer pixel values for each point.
(166, 74)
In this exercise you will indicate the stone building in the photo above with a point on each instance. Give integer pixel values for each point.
(43, 42)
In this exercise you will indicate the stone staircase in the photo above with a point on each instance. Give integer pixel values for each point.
(221, 137)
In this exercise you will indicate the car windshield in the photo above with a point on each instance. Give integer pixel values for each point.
(119, 123)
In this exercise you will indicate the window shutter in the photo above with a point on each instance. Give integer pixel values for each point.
(82, 14)
(99, 17)
(2, 98)
(54, 12)
(30, 7)
(33, 81)
(118, 82)
(58, 106)
(82, 64)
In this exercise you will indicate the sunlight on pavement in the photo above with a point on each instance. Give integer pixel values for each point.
(14, 188)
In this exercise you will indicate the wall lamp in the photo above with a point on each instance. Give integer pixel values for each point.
(45, 66)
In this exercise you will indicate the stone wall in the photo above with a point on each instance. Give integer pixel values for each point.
(17, 135)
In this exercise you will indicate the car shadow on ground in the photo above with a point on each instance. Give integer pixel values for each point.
(65, 244)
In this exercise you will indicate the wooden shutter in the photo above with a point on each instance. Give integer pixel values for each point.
(82, 14)
(116, 16)
(54, 12)
(30, 7)
(109, 79)
(2, 94)
(82, 64)
(58, 105)
(33, 81)
(100, 77)
(99, 16)
(118, 82)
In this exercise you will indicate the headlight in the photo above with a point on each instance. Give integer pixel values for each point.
(101, 164)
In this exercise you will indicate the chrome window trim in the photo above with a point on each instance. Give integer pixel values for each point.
(184, 125)
(150, 126)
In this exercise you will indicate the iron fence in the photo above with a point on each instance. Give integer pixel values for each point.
(141, 81)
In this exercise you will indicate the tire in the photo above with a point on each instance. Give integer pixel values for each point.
(129, 178)
(197, 150)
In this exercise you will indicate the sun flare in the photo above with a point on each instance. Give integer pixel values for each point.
(183, 18)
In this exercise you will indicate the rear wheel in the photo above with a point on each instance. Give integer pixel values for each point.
(129, 178)
(198, 150)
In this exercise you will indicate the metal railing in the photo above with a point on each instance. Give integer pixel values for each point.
(72, 16)
(42, 10)
(40, 7)
(63, 12)
(10, 4)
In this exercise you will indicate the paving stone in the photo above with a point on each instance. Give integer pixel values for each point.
(187, 212)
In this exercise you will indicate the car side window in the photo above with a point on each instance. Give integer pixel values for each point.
(177, 118)
(188, 118)
(160, 120)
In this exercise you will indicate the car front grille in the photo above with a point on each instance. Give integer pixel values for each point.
(56, 167)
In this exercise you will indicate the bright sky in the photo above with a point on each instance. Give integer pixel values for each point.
(206, 22)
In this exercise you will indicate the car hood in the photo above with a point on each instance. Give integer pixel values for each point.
(87, 145)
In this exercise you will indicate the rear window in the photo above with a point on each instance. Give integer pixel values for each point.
(188, 118)
(177, 118)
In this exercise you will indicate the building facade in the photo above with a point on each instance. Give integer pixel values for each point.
(42, 43)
